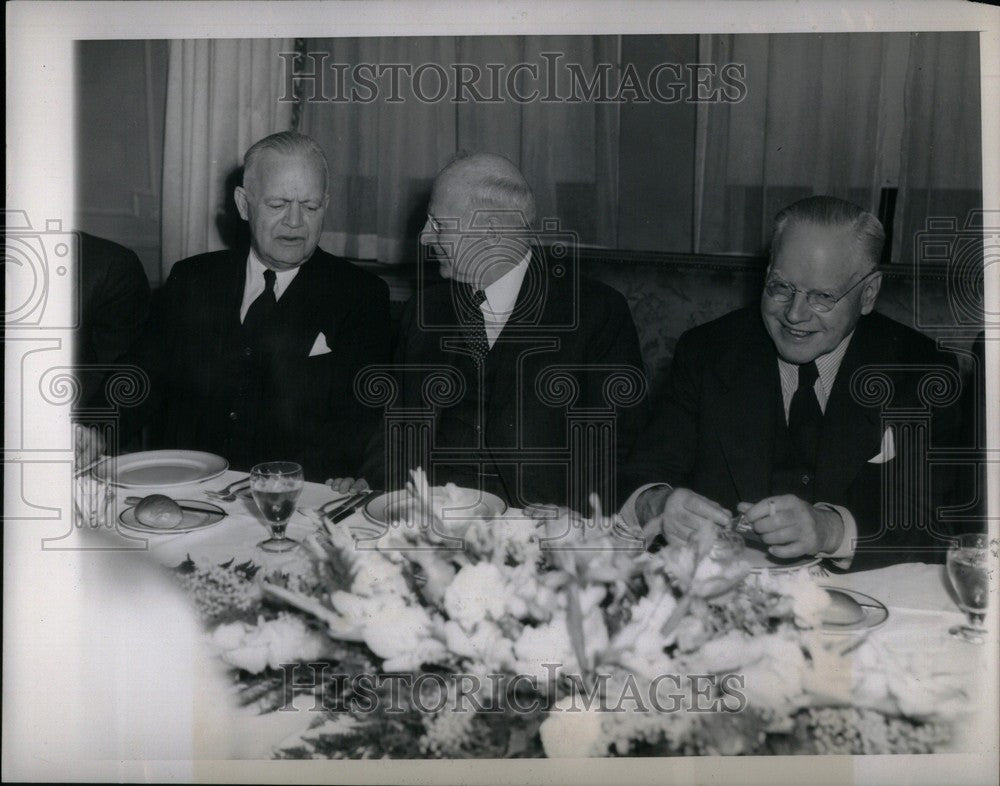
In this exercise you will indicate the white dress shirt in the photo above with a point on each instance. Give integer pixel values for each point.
(827, 365)
(255, 282)
(501, 297)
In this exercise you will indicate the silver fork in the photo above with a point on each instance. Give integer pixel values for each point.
(228, 493)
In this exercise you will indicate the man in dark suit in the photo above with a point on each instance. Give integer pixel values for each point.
(255, 350)
(777, 411)
(542, 387)
(114, 306)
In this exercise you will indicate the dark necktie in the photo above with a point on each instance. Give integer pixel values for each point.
(262, 307)
(805, 418)
(475, 327)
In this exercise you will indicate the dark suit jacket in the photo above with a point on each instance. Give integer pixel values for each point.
(714, 431)
(114, 306)
(309, 412)
(558, 320)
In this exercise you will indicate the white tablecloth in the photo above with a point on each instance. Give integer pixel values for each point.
(237, 535)
(920, 602)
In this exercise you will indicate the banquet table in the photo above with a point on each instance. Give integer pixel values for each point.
(918, 597)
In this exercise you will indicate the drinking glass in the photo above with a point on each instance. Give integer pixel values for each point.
(276, 486)
(968, 557)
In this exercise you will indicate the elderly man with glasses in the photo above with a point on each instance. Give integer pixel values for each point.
(761, 417)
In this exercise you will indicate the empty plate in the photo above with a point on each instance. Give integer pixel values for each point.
(160, 468)
(197, 515)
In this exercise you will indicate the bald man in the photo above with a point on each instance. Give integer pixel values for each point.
(509, 326)
(254, 350)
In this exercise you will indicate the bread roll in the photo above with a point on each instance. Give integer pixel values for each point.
(158, 510)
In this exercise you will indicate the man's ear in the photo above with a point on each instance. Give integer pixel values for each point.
(869, 294)
(493, 229)
(240, 198)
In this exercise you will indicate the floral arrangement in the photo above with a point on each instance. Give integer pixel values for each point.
(552, 633)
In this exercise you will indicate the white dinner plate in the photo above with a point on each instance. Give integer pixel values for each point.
(196, 515)
(390, 507)
(160, 468)
(875, 613)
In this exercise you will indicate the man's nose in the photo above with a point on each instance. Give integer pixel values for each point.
(293, 215)
(427, 233)
(798, 309)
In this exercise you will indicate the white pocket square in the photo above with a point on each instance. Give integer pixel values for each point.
(320, 347)
(887, 452)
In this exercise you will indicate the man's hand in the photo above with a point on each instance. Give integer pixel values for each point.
(88, 445)
(791, 527)
(681, 513)
(348, 485)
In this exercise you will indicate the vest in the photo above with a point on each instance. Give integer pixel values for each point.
(789, 474)
(246, 438)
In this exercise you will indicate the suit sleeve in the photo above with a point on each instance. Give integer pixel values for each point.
(116, 315)
(373, 468)
(668, 443)
(156, 347)
(616, 345)
(362, 339)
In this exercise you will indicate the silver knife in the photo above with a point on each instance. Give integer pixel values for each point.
(353, 507)
(344, 505)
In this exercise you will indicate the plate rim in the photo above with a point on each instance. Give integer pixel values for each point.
(102, 475)
(807, 563)
(826, 627)
(216, 509)
(368, 514)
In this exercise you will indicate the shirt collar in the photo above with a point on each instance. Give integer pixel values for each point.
(501, 295)
(827, 365)
(255, 272)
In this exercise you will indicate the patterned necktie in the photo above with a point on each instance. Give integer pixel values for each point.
(262, 307)
(475, 327)
(805, 418)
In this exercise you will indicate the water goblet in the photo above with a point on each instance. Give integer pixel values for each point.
(276, 486)
(968, 569)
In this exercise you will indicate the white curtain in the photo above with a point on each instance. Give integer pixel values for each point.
(847, 115)
(812, 122)
(941, 170)
(384, 154)
(222, 96)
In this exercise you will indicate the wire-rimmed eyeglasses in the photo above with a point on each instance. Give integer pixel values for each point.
(782, 292)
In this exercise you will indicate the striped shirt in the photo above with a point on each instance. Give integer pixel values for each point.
(827, 365)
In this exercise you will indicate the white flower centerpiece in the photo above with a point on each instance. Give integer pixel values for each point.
(547, 632)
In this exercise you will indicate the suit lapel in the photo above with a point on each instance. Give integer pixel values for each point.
(845, 446)
(228, 295)
(749, 413)
(297, 310)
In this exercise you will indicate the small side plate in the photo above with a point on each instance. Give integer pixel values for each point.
(197, 515)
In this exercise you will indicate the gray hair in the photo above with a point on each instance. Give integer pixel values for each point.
(286, 143)
(497, 185)
(829, 211)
